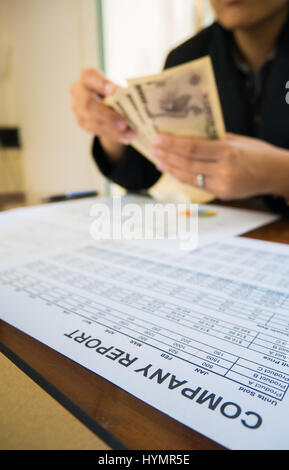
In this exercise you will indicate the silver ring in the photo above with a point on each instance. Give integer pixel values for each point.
(201, 181)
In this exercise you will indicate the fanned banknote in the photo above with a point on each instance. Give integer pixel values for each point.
(182, 100)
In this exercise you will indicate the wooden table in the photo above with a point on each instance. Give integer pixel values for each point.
(136, 424)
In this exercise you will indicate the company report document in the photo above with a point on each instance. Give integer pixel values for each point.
(202, 336)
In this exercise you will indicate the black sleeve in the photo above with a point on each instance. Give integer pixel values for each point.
(278, 205)
(134, 172)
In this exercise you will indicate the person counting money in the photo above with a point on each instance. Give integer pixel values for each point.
(249, 48)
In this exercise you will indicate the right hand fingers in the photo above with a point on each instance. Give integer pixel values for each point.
(95, 81)
(91, 113)
(109, 132)
(98, 119)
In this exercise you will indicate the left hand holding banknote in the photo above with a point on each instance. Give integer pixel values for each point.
(234, 167)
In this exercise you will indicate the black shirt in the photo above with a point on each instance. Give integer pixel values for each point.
(255, 86)
(264, 115)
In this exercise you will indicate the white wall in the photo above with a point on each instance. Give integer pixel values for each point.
(140, 33)
(49, 42)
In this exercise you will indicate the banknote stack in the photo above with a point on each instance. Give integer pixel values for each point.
(179, 101)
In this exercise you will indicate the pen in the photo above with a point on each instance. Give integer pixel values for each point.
(70, 196)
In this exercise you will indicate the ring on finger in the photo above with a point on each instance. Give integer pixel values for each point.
(201, 180)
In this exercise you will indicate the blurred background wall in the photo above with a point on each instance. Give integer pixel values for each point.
(138, 34)
(44, 45)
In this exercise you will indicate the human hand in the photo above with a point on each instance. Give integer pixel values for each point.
(235, 167)
(88, 94)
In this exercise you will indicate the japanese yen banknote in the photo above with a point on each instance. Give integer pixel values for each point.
(182, 100)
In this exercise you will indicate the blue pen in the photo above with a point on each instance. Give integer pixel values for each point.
(70, 196)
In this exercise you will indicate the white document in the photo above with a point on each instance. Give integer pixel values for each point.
(201, 336)
(214, 223)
